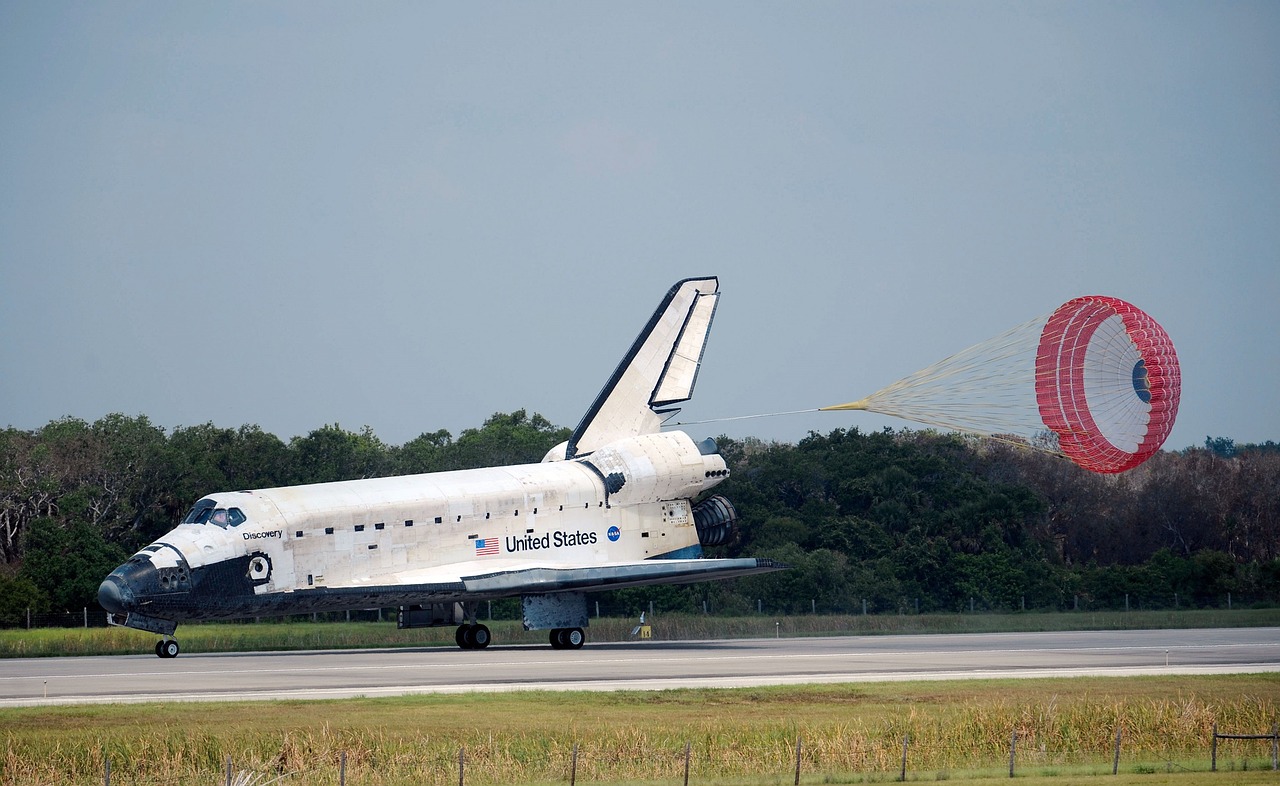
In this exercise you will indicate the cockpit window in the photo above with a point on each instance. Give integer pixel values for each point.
(200, 512)
(206, 511)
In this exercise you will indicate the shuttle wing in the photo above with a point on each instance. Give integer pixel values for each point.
(659, 370)
(629, 574)
(517, 580)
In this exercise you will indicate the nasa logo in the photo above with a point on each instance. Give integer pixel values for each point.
(614, 534)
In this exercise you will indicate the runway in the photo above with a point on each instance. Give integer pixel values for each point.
(649, 665)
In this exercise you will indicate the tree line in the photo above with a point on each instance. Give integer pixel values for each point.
(897, 520)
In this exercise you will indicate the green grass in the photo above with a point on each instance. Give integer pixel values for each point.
(848, 734)
(265, 636)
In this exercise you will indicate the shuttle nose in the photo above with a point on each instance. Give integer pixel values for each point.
(114, 596)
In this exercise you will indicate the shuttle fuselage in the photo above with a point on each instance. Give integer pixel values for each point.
(615, 506)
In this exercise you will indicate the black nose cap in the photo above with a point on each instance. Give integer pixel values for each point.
(113, 597)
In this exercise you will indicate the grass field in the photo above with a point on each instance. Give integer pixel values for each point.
(847, 734)
(264, 636)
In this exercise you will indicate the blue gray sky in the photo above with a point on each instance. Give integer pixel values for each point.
(412, 215)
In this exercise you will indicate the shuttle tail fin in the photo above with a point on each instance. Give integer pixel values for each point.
(658, 371)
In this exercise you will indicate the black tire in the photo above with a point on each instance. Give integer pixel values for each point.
(462, 636)
(557, 638)
(479, 637)
(574, 638)
(159, 652)
(168, 648)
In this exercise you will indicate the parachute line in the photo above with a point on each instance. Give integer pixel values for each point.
(958, 392)
(739, 417)
(1097, 380)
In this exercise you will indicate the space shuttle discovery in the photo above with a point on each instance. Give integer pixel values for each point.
(620, 504)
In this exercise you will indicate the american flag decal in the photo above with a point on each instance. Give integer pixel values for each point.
(486, 546)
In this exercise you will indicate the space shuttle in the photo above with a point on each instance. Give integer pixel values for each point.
(621, 503)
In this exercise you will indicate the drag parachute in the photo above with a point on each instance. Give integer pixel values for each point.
(1097, 381)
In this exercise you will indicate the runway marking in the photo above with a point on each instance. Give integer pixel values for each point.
(470, 664)
(641, 684)
(653, 666)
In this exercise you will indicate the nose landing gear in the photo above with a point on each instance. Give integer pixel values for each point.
(167, 648)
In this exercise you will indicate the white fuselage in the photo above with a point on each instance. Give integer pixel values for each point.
(437, 529)
(612, 507)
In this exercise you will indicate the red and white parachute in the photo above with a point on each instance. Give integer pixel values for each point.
(1097, 381)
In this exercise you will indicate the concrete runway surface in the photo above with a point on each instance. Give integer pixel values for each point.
(649, 665)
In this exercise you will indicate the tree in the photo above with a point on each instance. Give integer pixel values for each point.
(1223, 447)
(423, 453)
(18, 595)
(67, 563)
(331, 453)
(504, 439)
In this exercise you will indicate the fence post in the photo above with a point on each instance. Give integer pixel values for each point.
(798, 746)
(86, 616)
(228, 771)
(905, 739)
(573, 766)
(462, 765)
(342, 770)
(1275, 747)
(1115, 764)
(1213, 752)
(106, 770)
(688, 747)
(1013, 748)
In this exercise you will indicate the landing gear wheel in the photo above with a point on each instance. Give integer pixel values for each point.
(567, 638)
(167, 648)
(574, 638)
(472, 637)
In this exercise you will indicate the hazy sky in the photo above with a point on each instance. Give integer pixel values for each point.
(413, 215)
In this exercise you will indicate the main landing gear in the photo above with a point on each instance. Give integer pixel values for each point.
(567, 638)
(167, 648)
(472, 637)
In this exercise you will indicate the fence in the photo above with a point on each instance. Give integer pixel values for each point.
(95, 617)
(806, 764)
(1274, 736)
(84, 618)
